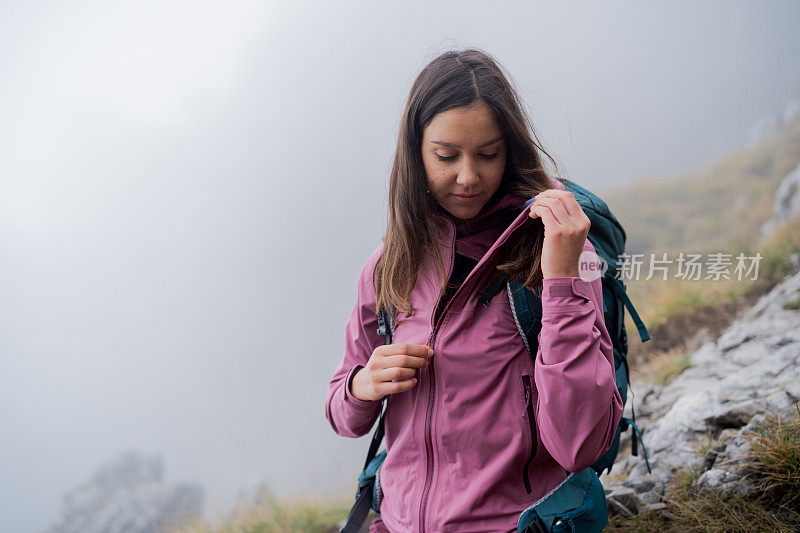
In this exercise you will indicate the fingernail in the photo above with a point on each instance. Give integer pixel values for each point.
(430, 351)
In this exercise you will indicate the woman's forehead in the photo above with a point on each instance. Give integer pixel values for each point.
(463, 127)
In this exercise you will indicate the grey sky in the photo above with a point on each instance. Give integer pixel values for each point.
(181, 182)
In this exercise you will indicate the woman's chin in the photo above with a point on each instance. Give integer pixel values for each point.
(462, 213)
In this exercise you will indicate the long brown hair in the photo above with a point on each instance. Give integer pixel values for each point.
(451, 80)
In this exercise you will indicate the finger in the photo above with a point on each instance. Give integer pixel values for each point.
(404, 361)
(543, 212)
(567, 199)
(393, 374)
(577, 217)
(546, 214)
(393, 387)
(556, 207)
(405, 348)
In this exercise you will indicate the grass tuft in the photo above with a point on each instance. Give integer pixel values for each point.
(793, 305)
(666, 367)
(775, 460)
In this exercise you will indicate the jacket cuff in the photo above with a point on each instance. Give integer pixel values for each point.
(565, 293)
(362, 405)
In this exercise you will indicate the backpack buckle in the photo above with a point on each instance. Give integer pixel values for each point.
(381, 325)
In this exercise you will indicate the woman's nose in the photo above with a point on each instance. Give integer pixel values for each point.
(467, 174)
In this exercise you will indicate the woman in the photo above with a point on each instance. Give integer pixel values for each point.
(463, 451)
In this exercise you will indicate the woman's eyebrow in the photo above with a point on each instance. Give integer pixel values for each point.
(451, 145)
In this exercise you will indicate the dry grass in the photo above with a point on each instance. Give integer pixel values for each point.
(706, 444)
(659, 301)
(776, 248)
(717, 207)
(775, 460)
(727, 202)
(675, 309)
(775, 463)
(689, 511)
(793, 305)
(308, 513)
(664, 367)
(707, 511)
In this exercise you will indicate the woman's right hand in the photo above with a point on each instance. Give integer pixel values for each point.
(387, 363)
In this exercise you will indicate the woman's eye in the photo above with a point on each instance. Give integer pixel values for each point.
(451, 157)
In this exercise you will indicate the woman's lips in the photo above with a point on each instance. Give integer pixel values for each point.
(464, 199)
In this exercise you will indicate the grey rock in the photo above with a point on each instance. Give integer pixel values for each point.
(128, 495)
(734, 415)
(727, 434)
(769, 125)
(786, 203)
(623, 501)
(725, 482)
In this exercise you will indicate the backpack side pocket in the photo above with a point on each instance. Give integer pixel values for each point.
(371, 475)
(577, 505)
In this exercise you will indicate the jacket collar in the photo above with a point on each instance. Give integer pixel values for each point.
(448, 237)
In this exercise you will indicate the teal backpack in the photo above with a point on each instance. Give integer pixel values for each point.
(608, 238)
(578, 504)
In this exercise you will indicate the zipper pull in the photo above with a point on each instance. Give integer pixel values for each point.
(527, 400)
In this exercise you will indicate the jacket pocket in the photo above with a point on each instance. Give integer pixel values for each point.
(529, 415)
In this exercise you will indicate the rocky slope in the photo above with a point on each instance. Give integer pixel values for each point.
(699, 420)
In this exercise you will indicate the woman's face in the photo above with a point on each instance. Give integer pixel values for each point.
(464, 156)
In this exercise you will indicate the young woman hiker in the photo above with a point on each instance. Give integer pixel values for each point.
(462, 452)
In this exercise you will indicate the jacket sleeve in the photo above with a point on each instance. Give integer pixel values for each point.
(349, 416)
(579, 406)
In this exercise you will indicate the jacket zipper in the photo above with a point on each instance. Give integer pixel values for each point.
(526, 383)
(429, 410)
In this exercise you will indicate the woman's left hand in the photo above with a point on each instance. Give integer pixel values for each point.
(565, 229)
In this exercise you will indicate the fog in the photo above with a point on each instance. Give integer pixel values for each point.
(189, 190)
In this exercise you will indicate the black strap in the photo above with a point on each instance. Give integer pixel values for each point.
(495, 285)
(377, 437)
(536, 526)
(360, 509)
(384, 328)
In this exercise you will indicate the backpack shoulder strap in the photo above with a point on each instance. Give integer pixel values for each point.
(367, 480)
(527, 310)
(386, 328)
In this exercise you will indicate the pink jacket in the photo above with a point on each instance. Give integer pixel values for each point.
(462, 452)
